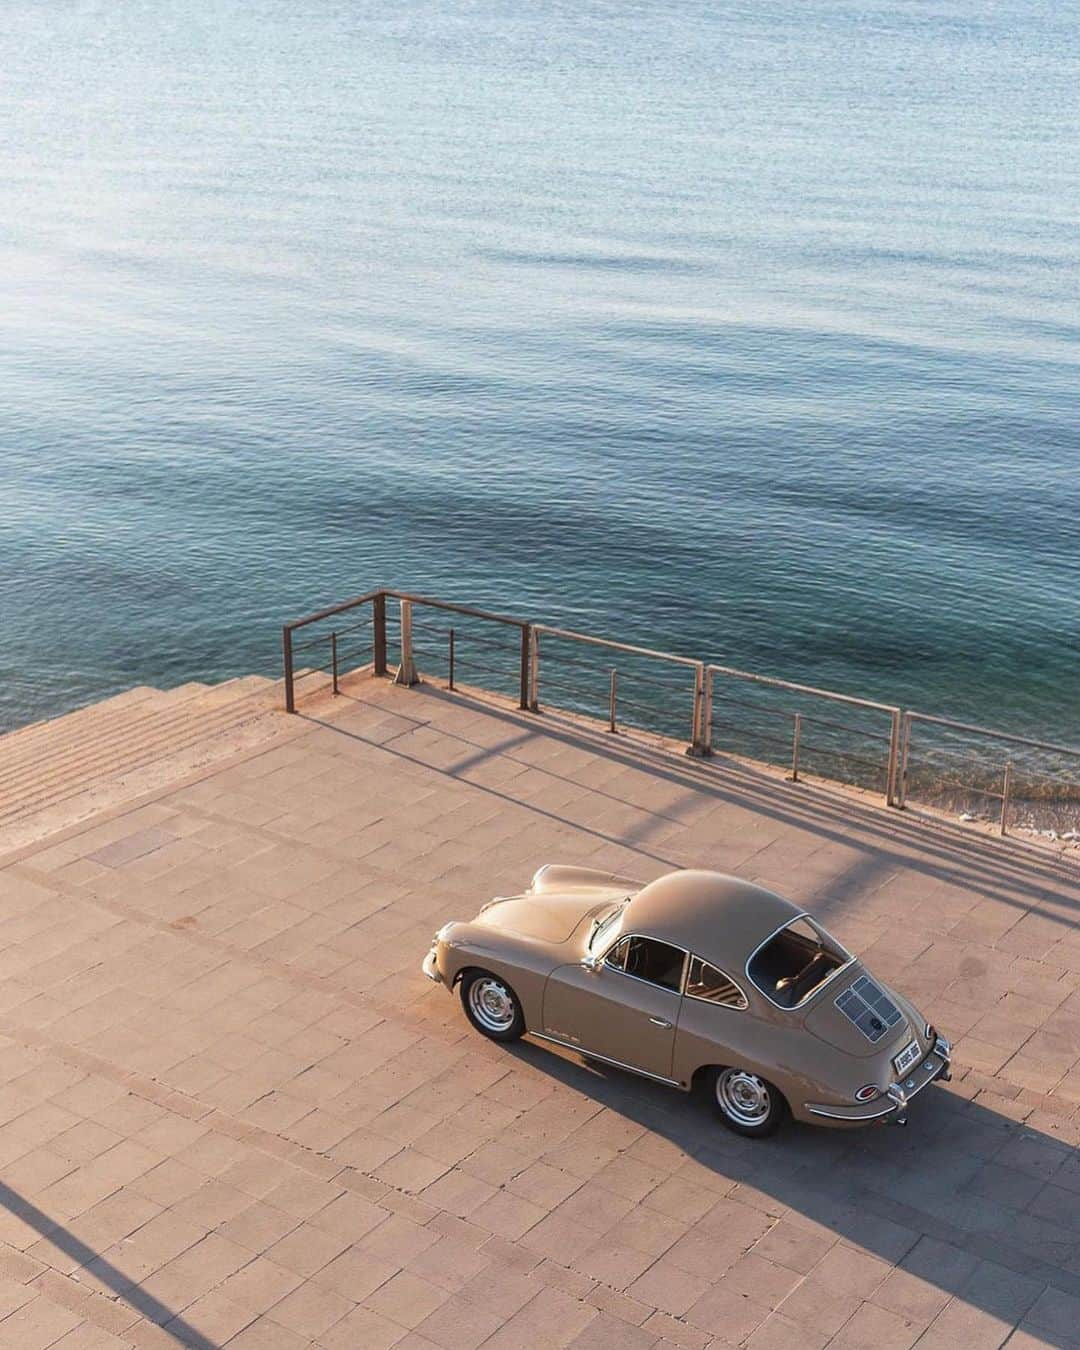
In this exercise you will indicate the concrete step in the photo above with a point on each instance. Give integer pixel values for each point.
(86, 724)
(51, 726)
(138, 746)
(172, 706)
(148, 735)
(253, 723)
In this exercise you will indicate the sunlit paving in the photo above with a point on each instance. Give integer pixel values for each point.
(235, 1112)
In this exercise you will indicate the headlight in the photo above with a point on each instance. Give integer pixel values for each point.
(867, 1093)
(930, 1033)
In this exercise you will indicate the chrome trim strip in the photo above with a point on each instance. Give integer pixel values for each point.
(813, 992)
(606, 1059)
(853, 1120)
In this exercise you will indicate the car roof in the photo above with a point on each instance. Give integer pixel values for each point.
(717, 917)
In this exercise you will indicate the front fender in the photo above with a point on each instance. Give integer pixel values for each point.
(463, 947)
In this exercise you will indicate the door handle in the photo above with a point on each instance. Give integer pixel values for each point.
(659, 1022)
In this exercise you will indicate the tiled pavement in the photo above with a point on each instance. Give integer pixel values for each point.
(232, 1112)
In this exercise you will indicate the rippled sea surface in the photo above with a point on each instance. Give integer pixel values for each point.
(743, 329)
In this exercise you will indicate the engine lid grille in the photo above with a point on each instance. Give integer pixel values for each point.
(869, 1007)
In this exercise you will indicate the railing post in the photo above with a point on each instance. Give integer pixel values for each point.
(894, 760)
(524, 698)
(534, 671)
(796, 737)
(1006, 784)
(406, 674)
(707, 695)
(450, 660)
(901, 768)
(611, 698)
(697, 746)
(333, 660)
(287, 663)
(378, 619)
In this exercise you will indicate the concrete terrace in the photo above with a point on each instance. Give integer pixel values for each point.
(232, 1111)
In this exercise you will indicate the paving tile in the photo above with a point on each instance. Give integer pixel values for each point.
(354, 1274)
(311, 1310)
(817, 1308)
(406, 1299)
(551, 1318)
(910, 1296)
(609, 1333)
(786, 1244)
(778, 1333)
(848, 1271)
(363, 1329)
(725, 1310)
(668, 1287)
(1055, 1312)
(508, 1215)
(259, 1285)
(1004, 1293)
(961, 1324)
(874, 1328)
(265, 1334)
(306, 1249)
(37, 1324)
(214, 1317)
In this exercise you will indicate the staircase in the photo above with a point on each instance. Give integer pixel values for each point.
(56, 773)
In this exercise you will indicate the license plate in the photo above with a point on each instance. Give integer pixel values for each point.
(906, 1058)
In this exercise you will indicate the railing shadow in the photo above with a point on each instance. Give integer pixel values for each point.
(145, 1304)
(992, 869)
(930, 1199)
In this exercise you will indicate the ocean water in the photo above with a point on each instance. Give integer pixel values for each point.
(748, 330)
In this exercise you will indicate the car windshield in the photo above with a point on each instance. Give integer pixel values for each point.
(604, 928)
(795, 962)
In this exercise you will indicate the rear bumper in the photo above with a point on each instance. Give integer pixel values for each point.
(892, 1108)
(431, 968)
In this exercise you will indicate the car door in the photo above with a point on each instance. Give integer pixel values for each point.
(625, 1008)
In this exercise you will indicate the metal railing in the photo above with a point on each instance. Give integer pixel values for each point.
(841, 744)
(635, 662)
(381, 622)
(960, 767)
(908, 757)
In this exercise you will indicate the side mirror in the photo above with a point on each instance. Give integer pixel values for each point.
(593, 963)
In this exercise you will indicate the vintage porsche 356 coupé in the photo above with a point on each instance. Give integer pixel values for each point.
(696, 979)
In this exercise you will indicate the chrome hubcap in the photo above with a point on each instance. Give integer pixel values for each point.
(491, 1004)
(742, 1096)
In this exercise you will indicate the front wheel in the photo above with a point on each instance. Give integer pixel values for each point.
(746, 1102)
(492, 1006)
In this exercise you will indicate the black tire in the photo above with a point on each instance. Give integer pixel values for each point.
(746, 1103)
(492, 1006)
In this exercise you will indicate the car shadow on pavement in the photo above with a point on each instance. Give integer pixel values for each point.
(962, 1199)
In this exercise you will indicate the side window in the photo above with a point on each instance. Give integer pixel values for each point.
(649, 960)
(712, 985)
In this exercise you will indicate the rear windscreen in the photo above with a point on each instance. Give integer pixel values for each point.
(795, 962)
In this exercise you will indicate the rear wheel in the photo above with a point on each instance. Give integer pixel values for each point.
(746, 1102)
(492, 1006)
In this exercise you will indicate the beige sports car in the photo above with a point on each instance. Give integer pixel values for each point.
(695, 979)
